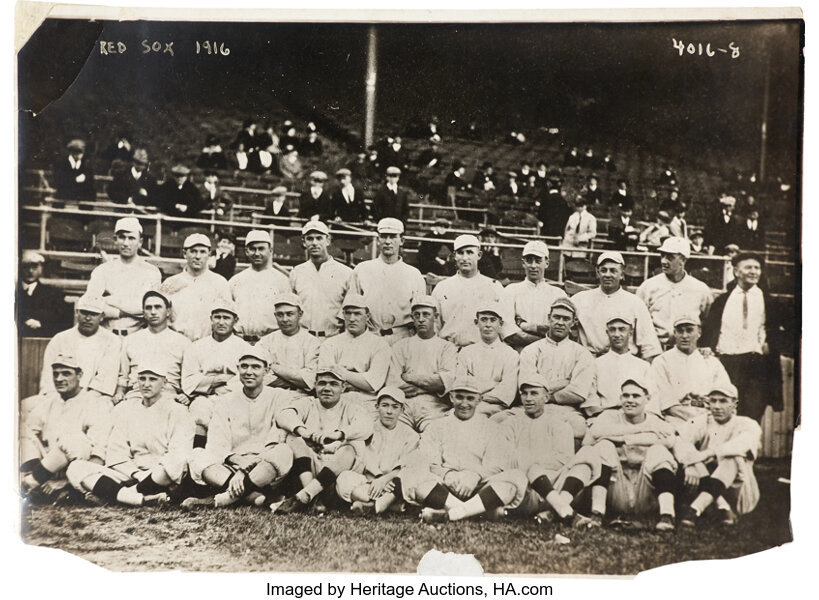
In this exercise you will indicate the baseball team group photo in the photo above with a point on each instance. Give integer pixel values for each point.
(525, 291)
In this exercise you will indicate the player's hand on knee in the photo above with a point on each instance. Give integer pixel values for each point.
(692, 477)
(236, 487)
(379, 485)
(54, 485)
(182, 399)
(331, 448)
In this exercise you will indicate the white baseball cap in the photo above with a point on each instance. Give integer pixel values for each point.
(196, 239)
(155, 365)
(89, 303)
(390, 225)
(393, 392)
(612, 256)
(129, 224)
(315, 226)
(224, 304)
(535, 248)
(676, 245)
(258, 235)
(466, 240)
(287, 298)
(255, 352)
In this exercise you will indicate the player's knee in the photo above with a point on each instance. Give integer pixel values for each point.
(280, 457)
(659, 457)
(78, 471)
(299, 447)
(535, 471)
(606, 452)
(346, 482)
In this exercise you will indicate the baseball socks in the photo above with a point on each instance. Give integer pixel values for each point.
(710, 489)
(324, 480)
(486, 500)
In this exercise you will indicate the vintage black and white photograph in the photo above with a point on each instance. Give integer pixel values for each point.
(321, 294)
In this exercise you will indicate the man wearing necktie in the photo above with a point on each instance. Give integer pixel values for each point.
(348, 201)
(73, 176)
(315, 203)
(581, 228)
(391, 200)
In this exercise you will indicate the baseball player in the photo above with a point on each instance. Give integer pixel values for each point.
(460, 469)
(321, 282)
(684, 375)
(388, 284)
(68, 424)
(594, 306)
(566, 365)
(543, 449)
(423, 367)
(637, 468)
(146, 454)
(462, 294)
(492, 364)
(157, 339)
(255, 288)
(209, 367)
(328, 435)
(372, 488)
(717, 452)
(195, 289)
(618, 364)
(96, 350)
(673, 293)
(531, 298)
(121, 281)
(359, 355)
(245, 451)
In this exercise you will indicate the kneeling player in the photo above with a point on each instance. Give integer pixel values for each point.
(328, 434)
(147, 451)
(245, 450)
(637, 468)
(384, 456)
(543, 448)
(718, 453)
(67, 424)
(460, 469)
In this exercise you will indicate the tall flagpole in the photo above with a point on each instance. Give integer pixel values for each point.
(369, 123)
(764, 132)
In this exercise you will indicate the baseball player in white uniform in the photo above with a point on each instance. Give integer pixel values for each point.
(717, 452)
(371, 486)
(66, 425)
(146, 454)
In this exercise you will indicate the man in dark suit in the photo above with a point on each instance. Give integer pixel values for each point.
(752, 232)
(41, 309)
(622, 232)
(73, 176)
(553, 213)
(315, 202)
(744, 330)
(134, 184)
(391, 200)
(722, 227)
(178, 196)
(347, 202)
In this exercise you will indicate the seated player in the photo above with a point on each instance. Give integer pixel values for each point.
(328, 435)
(361, 357)
(460, 469)
(209, 366)
(371, 485)
(292, 350)
(157, 339)
(566, 365)
(684, 375)
(147, 451)
(423, 367)
(68, 424)
(543, 449)
(245, 450)
(618, 364)
(492, 364)
(637, 469)
(718, 453)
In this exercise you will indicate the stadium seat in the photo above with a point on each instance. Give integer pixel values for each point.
(67, 234)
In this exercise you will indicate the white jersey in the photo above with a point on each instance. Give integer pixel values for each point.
(531, 302)
(678, 374)
(565, 365)
(122, 286)
(493, 366)
(192, 299)
(612, 370)
(389, 290)
(98, 356)
(321, 292)
(667, 301)
(367, 354)
(206, 357)
(254, 293)
(167, 345)
(299, 351)
(542, 441)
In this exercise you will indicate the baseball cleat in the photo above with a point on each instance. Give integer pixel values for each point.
(497, 514)
(689, 517)
(193, 502)
(156, 499)
(290, 506)
(92, 498)
(545, 517)
(434, 515)
(362, 508)
(595, 521)
(666, 523)
(579, 521)
(726, 517)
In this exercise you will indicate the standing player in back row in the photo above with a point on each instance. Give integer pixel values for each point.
(389, 284)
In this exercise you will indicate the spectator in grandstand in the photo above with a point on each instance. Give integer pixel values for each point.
(671, 203)
(566, 365)
(697, 240)
(393, 154)
(134, 184)
(214, 198)
(122, 281)
(41, 308)
(374, 159)
(593, 193)
(542, 175)
(269, 141)
(290, 164)
(745, 329)
(435, 255)
(623, 234)
(668, 177)
(178, 196)
(245, 146)
(673, 293)
(609, 164)
(721, 226)
(455, 181)
(655, 233)
(572, 157)
(156, 340)
(95, 349)
(429, 161)
(388, 284)
(315, 203)
(589, 160)
(492, 365)
(118, 154)
(321, 282)
(147, 452)
(212, 156)
(460, 295)
(752, 232)
(678, 226)
(311, 146)
(362, 170)
(580, 229)
(193, 291)
(290, 136)
(347, 201)
(423, 367)
(594, 307)
(490, 263)
(485, 179)
(255, 289)
(553, 212)
(67, 424)
(73, 175)
(276, 205)
(512, 188)
(621, 195)
(223, 262)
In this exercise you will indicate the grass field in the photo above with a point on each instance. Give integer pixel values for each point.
(248, 539)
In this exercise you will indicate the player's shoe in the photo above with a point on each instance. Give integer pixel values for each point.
(666, 523)
(193, 502)
(156, 499)
(498, 514)
(290, 506)
(579, 521)
(620, 522)
(726, 517)
(92, 498)
(362, 508)
(545, 517)
(689, 517)
(595, 521)
(434, 515)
